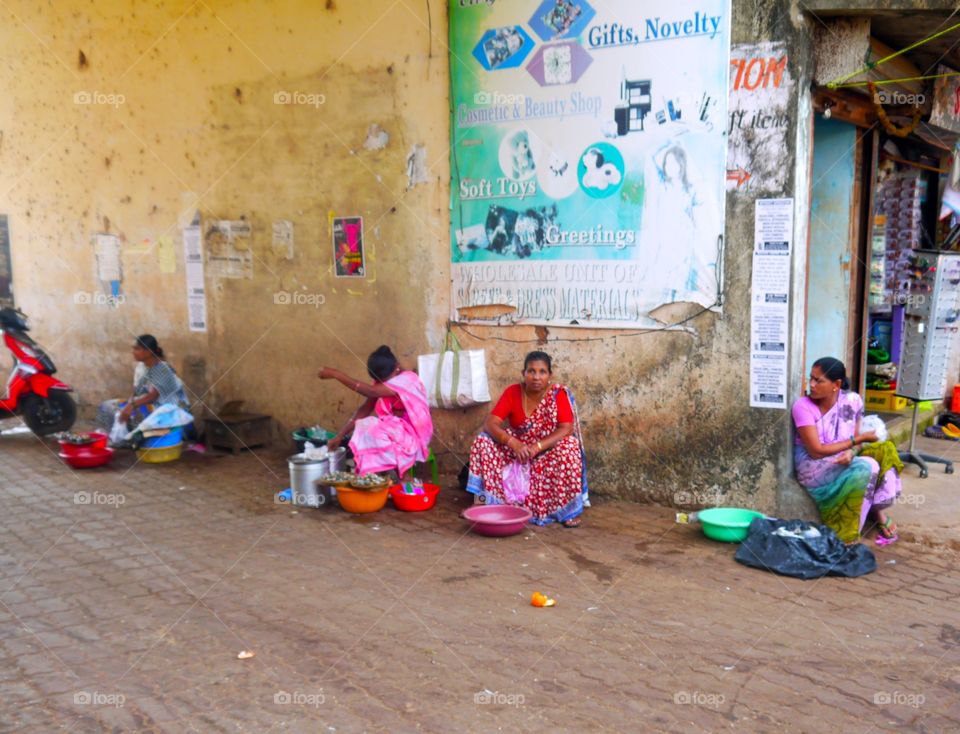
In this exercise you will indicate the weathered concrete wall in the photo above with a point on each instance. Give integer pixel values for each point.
(666, 415)
(187, 120)
(198, 116)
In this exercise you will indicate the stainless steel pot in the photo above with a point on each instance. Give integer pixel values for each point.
(304, 474)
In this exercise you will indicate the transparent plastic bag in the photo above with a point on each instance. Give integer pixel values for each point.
(118, 433)
(516, 482)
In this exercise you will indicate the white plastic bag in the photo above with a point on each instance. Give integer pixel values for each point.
(118, 433)
(454, 378)
(875, 423)
(314, 453)
(167, 415)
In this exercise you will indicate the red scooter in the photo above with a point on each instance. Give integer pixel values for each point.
(43, 402)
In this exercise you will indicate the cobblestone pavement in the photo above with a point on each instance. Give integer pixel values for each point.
(126, 594)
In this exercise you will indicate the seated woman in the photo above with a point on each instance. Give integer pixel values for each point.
(155, 383)
(535, 423)
(846, 488)
(392, 428)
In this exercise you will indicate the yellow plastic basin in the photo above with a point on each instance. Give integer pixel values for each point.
(160, 455)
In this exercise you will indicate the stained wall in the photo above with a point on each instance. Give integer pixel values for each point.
(665, 415)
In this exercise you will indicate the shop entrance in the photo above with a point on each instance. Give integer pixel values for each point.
(881, 152)
(835, 269)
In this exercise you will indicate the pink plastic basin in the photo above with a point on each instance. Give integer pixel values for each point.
(497, 520)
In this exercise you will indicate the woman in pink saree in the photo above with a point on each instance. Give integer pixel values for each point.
(392, 429)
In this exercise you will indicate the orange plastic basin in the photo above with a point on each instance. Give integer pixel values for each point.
(360, 501)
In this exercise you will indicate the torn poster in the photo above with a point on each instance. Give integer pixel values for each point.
(228, 249)
(193, 264)
(283, 238)
(166, 255)
(760, 92)
(6, 268)
(348, 257)
(107, 250)
(770, 303)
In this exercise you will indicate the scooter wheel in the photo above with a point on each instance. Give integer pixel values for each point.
(52, 414)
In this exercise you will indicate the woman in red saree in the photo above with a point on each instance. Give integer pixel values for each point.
(534, 424)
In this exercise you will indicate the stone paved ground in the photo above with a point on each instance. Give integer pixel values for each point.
(129, 617)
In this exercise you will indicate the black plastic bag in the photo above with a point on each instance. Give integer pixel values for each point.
(945, 418)
(802, 557)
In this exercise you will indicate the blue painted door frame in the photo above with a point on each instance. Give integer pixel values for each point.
(834, 211)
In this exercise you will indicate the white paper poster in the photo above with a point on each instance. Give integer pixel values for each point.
(229, 254)
(196, 290)
(283, 238)
(770, 303)
(107, 250)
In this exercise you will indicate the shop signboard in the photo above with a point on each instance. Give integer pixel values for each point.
(588, 158)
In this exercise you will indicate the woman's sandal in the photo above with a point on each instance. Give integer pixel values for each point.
(887, 534)
(573, 522)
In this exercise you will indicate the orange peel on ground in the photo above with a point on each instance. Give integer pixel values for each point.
(541, 600)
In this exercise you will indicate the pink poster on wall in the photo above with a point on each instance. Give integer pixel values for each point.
(348, 258)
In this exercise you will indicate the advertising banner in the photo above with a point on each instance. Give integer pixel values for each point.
(588, 157)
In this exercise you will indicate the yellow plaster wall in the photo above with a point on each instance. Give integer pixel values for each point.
(191, 122)
(198, 128)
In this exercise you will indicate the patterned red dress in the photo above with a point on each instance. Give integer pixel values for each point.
(556, 475)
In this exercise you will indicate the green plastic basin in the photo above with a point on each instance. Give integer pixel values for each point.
(727, 524)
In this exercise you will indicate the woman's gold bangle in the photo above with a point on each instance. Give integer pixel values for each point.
(539, 446)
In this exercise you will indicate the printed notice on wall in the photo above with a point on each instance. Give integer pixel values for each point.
(228, 249)
(196, 291)
(770, 303)
(107, 250)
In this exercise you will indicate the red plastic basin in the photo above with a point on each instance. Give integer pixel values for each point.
(497, 520)
(97, 441)
(87, 459)
(414, 502)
